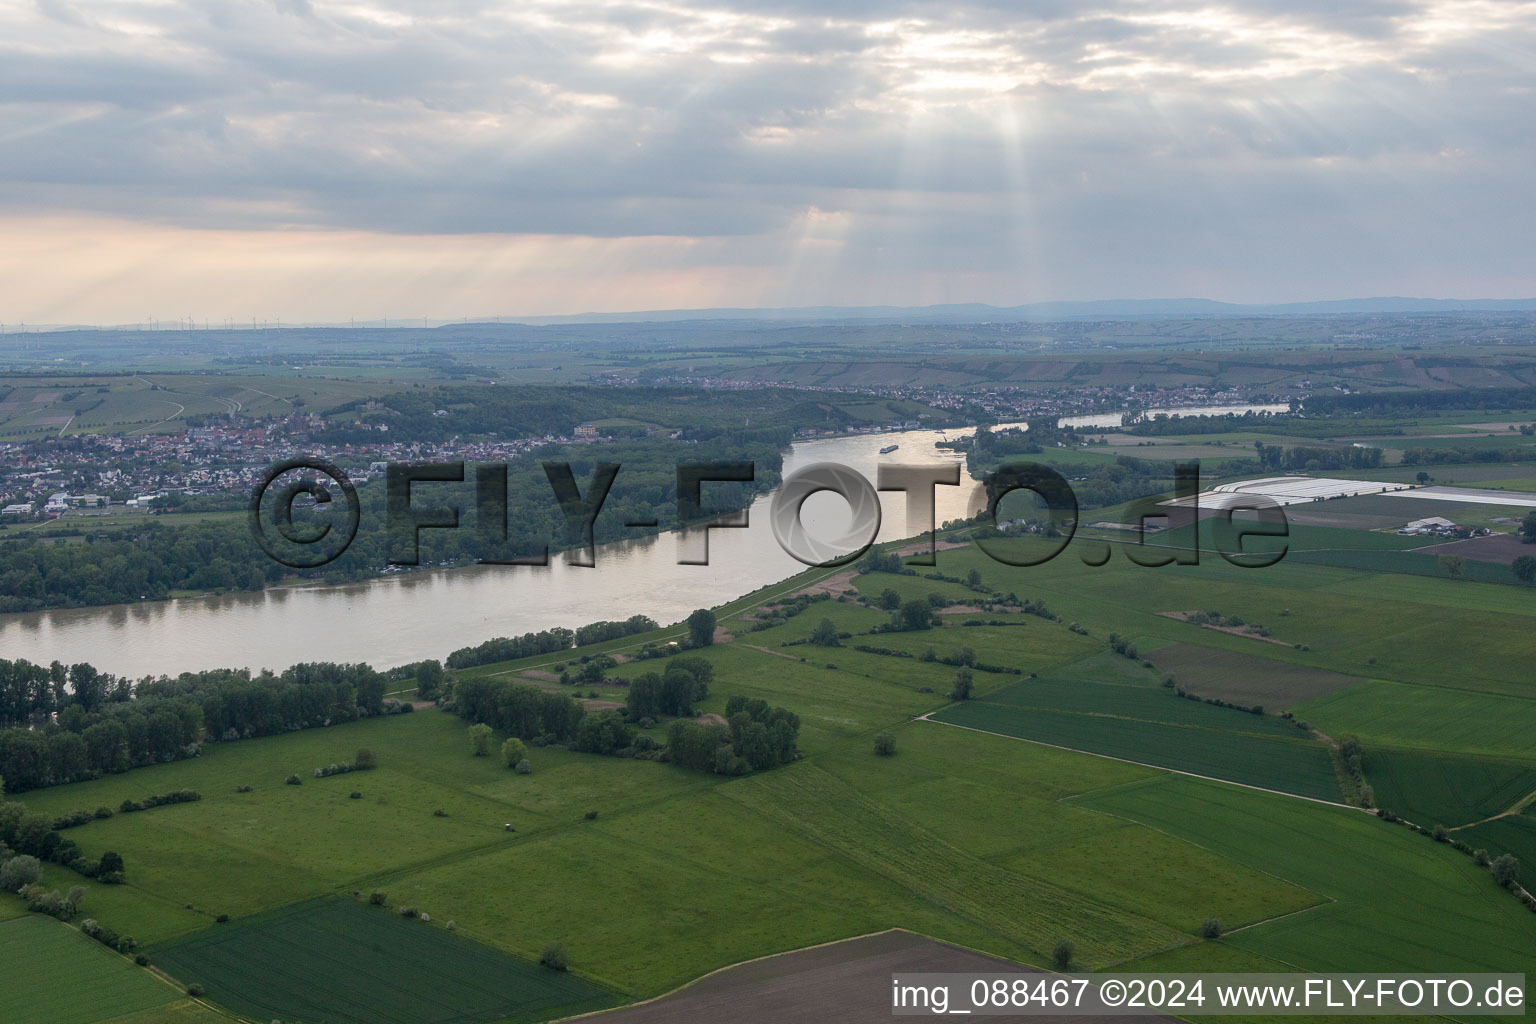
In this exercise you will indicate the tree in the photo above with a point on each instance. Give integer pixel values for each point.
(1062, 954)
(963, 681)
(701, 628)
(513, 751)
(554, 957)
(1528, 528)
(429, 679)
(1210, 928)
(365, 760)
(110, 868)
(480, 739)
(1506, 869)
(19, 871)
(89, 686)
(973, 578)
(825, 634)
(1524, 568)
(1452, 564)
(915, 614)
(1422, 477)
(885, 744)
(889, 599)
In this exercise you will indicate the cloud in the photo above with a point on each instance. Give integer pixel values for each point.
(980, 138)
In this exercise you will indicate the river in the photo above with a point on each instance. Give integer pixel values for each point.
(398, 619)
(404, 618)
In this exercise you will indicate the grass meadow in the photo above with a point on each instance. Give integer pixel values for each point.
(651, 875)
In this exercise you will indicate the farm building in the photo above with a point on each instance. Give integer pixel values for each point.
(1433, 524)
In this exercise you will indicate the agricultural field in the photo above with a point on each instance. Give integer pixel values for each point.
(340, 961)
(1513, 834)
(1245, 678)
(1452, 721)
(1438, 789)
(55, 975)
(1047, 807)
(1394, 900)
(1286, 765)
(158, 402)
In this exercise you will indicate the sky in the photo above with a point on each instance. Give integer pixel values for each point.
(314, 161)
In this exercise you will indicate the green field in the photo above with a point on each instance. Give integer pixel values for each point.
(1397, 901)
(1514, 834)
(55, 975)
(1289, 766)
(1436, 789)
(969, 836)
(342, 961)
(1159, 705)
(1454, 721)
(159, 402)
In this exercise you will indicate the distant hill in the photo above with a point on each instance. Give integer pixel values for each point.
(1102, 309)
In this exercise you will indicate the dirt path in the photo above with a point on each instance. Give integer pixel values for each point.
(1241, 631)
(1518, 808)
(776, 654)
(833, 585)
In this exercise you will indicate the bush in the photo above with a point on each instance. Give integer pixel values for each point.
(591, 815)
(354, 795)
(365, 760)
(142, 960)
(111, 864)
(1506, 870)
(513, 751)
(293, 780)
(554, 957)
(222, 919)
(439, 813)
(1480, 858)
(19, 871)
(195, 990)
(377, 898)
(480, 739)
(409, 912)
(524, 767)
(1062, 954)
(1210, 928)
(885, 744)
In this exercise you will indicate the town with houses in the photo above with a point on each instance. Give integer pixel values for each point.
(87, 472)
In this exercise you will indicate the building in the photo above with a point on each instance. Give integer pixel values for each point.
(1431, 525)
(16, 510)
(586, 430)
